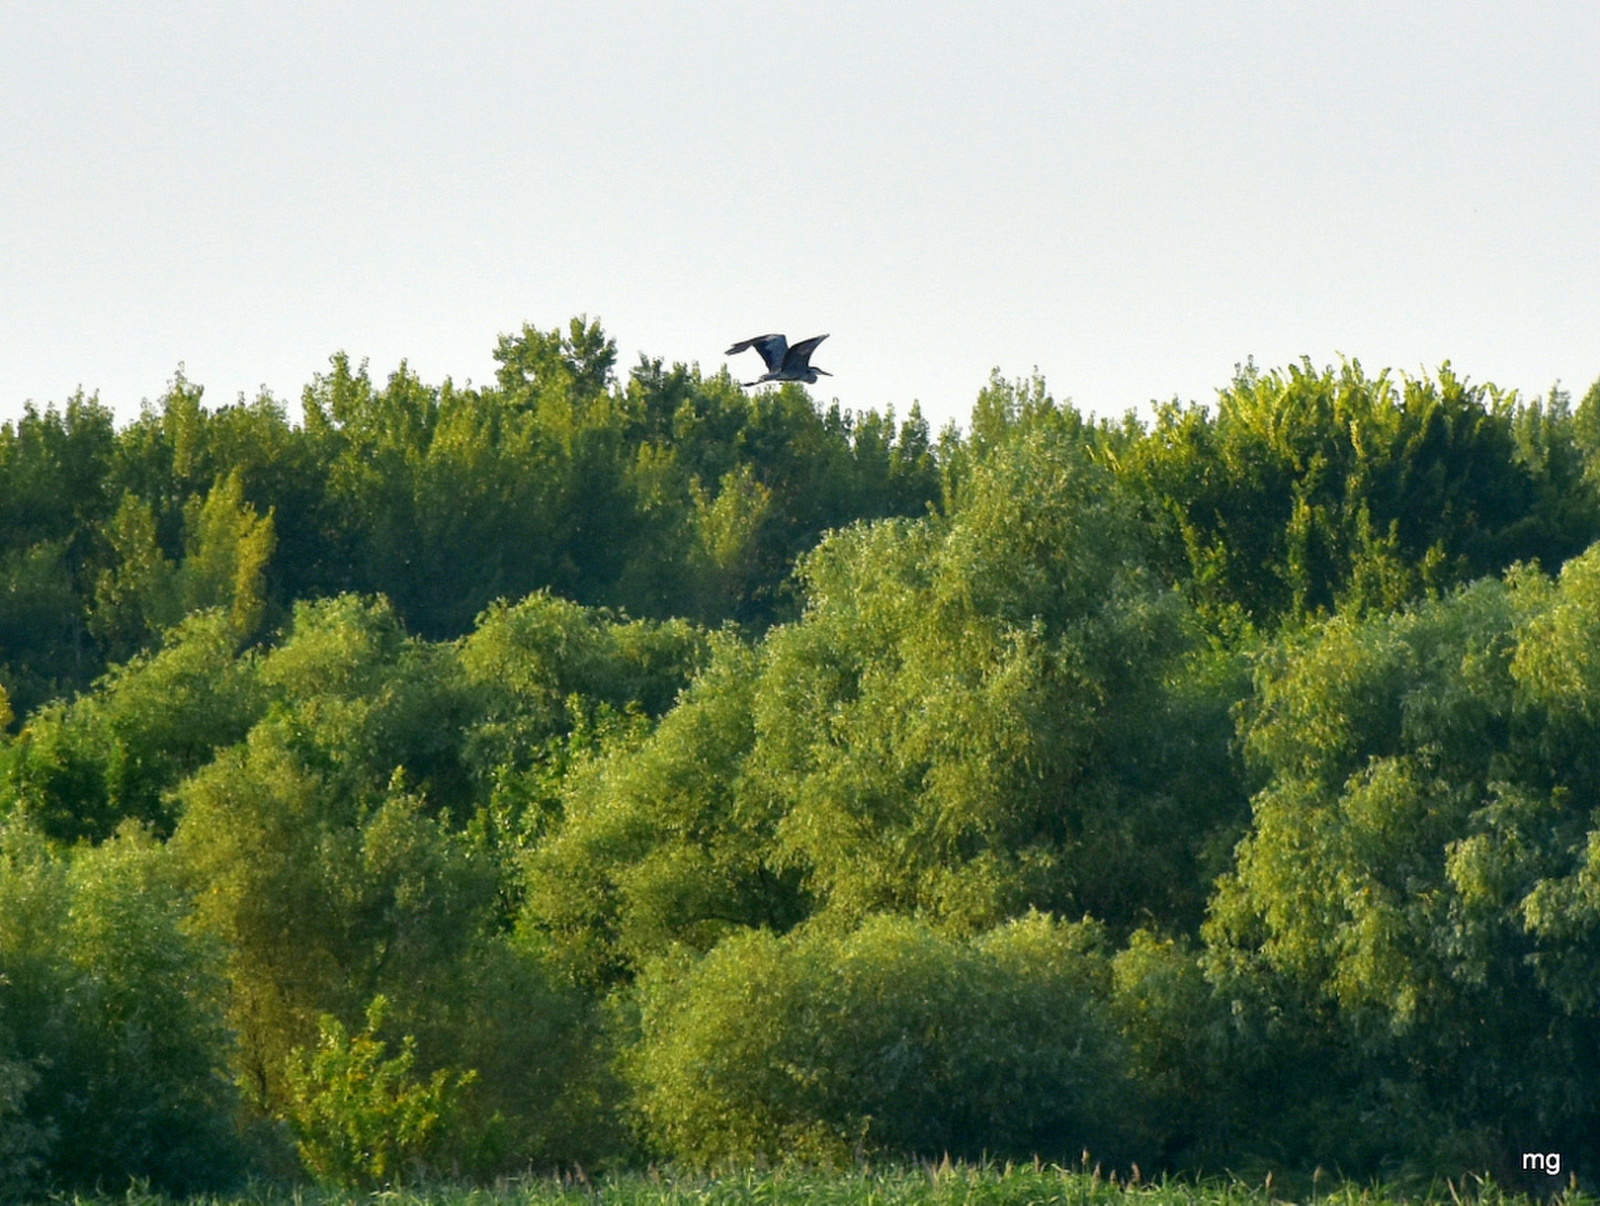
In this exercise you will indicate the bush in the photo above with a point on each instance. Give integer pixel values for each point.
(115, 1019)
(894, 1039)
(360, 1119)
(23, 1142)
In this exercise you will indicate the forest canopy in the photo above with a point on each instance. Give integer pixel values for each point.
(596, 768)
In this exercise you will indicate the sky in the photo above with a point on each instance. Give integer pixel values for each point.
(1130, 197)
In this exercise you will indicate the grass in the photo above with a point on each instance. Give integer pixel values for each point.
(944, 1184)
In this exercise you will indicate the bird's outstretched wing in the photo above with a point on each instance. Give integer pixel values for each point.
(802, 350)
(773, 348)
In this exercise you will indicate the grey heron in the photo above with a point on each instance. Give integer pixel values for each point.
(784, 363)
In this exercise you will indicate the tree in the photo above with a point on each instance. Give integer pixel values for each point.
(227, 549)
(1417, 870)
(358, 699)
(973, 718)
(892, 1039)
(44, 651)
(970, 720)
(114, 1012)
(24, 1141)
(323, 899)
(655, 845)
(80, 769)
(1305, 491)
(545, 667)
(580, 361)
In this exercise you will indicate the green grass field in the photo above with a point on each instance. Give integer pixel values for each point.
(928, 1185)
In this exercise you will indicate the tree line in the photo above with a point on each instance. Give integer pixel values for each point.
(584, 770)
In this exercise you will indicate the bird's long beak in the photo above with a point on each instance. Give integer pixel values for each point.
(824, 372)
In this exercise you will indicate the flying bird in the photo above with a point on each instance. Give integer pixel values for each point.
(784, 363)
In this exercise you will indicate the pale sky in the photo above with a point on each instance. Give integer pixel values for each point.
(1133, 197)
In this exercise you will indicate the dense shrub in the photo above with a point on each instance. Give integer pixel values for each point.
(889, 1039)
(363, 1119)
(114, 1015)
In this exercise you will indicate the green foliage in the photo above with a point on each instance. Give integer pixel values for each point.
(24, 1142)
(227, 549)
(334, 870)
(42, 647)
(1181, 1053)
(113, 1013)
(51, 467)
(727, 531)
(1419, 865)
(415, 701)
(579, 362)
(889, 1039)
(80, 769)
(323, 900)
(227, 546)
(1304, 491)
(358, 699)
(544, 666)
(972, 720)
(917, 1183)
(137, 593)
(361, 1121)
(668, 494)
(546, 1091)
(647, 497)
(655, 845)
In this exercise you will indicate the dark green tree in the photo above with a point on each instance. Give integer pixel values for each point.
(114, 1012)
(79, 769)
(1417, 873)
(1306, 491)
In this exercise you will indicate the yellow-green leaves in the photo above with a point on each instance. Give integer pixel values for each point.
(889, 1038)
(361, 1120)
